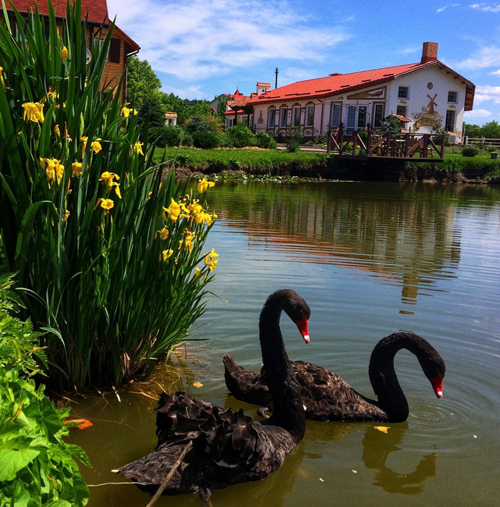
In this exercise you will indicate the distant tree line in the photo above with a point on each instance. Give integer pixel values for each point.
(490, 129)
(198, 124)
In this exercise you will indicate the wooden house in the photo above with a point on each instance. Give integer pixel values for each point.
(427, 96)
(96, 11)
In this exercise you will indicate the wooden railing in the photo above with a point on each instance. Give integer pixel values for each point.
(404, 145)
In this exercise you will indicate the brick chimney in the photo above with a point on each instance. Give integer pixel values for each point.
(429, 52)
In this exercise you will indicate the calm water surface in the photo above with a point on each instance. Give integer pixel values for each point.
(370, 259)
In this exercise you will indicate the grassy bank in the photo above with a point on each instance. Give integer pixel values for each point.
(454, 168)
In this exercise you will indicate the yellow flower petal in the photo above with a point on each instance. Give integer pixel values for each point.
(383, 429)
(197, 384)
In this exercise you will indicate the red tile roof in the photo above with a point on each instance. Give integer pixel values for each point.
(341, 83)
(97, 9)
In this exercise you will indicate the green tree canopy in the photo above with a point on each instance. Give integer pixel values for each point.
(175, 104)
(142, 82)
(490, 129)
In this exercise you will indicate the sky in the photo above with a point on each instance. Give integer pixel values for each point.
(202, 48)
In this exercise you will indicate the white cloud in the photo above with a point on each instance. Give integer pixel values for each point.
(485, 7)
(487, 93)
(199, 39)
(477, 113)
(483, 58)
(441, 9)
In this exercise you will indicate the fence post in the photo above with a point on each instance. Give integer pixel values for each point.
(369, 141)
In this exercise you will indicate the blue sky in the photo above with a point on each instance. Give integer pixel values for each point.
(202, 48)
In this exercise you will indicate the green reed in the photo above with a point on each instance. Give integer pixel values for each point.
(108, 250)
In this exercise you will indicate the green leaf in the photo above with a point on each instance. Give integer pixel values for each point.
(12, 461)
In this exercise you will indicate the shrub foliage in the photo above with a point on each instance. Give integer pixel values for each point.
(36, 465)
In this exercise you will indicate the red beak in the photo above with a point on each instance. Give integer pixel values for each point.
(437, 385)
(303, 325)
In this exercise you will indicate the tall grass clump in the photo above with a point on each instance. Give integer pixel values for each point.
(109, 252)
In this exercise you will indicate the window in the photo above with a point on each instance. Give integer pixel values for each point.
(362, 110)
(283, 117)
(401, 110)
(271, 117)
(296, 116)
(114, 51)
(453, 97)
(310, 115)
(449, 124)
(335, 117)
(351, 118)
(378, 115)
(403, 92)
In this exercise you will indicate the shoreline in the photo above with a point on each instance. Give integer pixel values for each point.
(393, 171)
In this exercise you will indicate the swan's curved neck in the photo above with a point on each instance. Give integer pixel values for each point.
(383, 377)
(284, 389)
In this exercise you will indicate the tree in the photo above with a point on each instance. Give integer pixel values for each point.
(472, 130)
(175, 104)
(153, 109)
(491, 129)
(142, 82)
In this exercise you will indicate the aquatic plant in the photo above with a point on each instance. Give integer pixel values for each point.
(109, 251)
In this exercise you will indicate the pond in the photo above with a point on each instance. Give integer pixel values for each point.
(370, 259)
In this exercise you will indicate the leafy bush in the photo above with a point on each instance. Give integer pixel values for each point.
(197, 123)
(166, 136)
(205, 139)
(239, 136)
(110, 255)
(36, 465)
(469, 151)
(264, 140)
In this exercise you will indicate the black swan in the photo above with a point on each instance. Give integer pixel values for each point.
(229, 447)
(327, 397)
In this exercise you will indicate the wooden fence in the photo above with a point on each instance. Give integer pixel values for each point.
(481, 141)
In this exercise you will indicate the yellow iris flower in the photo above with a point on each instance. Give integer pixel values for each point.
(76, 169)
(83, 140)
(96, 146)
(211, 259)
(64, 53)
(173, 211)
(33, 111)
(167, 253)
(204, 185)
(138, 148)
(108, 178)
(106, 204)
(163, 233)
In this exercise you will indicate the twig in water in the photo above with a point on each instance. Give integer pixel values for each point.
(163, 485)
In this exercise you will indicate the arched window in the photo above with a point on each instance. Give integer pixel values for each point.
(271, 117)
(283, 116)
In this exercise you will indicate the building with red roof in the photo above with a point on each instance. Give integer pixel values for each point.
(238, 108)
(96, 12)
(426, 97)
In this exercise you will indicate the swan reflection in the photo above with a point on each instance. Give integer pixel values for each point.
(377, 446)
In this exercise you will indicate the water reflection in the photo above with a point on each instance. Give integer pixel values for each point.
(399, 238)
(377, 446)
